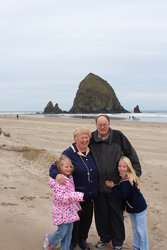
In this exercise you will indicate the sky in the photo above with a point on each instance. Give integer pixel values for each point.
(47, 47)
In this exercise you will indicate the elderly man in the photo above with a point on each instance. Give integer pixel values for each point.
(107, 146)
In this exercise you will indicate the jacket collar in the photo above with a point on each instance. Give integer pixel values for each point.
(75, 149)
(97, 137)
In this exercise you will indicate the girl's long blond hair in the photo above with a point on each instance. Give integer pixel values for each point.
(131, 172)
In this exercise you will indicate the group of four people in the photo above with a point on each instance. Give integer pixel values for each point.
(96, 158)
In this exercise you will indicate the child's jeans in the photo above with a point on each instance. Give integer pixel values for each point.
(63, 234)
(139, 225)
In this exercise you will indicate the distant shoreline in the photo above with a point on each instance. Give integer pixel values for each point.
(152, 116)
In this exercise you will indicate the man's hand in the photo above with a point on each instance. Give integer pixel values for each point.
(109, 184)
(61, 179)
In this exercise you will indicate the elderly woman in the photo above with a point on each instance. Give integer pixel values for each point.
(85, 179)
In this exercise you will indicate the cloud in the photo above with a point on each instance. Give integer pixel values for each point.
(48, 47)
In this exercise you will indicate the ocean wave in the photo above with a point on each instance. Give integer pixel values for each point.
(146, 116)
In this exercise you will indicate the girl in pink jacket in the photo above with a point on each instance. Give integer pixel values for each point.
(65, 207)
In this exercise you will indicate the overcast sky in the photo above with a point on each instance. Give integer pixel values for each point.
(47, 47)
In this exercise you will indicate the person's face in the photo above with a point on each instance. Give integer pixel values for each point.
(66, 168)
(122, 167)
(82, 142)
(102, 126)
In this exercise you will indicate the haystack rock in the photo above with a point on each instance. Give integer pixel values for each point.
(95, 95)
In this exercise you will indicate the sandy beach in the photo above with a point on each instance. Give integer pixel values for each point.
(26, 156)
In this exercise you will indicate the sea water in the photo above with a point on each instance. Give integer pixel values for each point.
(145, 116)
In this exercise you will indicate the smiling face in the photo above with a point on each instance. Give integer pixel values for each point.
(103, 125)
(122, 167)
(82, 142)
(66, 168)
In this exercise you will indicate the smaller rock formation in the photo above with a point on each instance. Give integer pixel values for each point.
(57, 109)
(136, 109)
(50, 109)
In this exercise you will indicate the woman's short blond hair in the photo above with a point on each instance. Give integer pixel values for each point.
(80, 131)
(60, 161)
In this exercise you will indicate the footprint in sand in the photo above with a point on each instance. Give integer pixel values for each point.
(155, 211)
(45, 197)
(9, 187)
(8, 221)
(27, 198)
(156, 188)
(155, 182)
(5, 188)
(6, 175)
(5, 204)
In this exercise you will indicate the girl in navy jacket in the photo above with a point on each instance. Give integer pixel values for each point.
(135, 204)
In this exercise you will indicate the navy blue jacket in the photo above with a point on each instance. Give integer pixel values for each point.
(131, 195)
(80, 174)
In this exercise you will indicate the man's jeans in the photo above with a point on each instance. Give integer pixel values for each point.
(63, 234)
(139, 225)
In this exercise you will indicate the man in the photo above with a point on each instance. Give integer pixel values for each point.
(107, 146)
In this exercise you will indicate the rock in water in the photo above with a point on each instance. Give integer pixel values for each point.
(137, 110)
(57, 109)
(50, 109)
(95, 95)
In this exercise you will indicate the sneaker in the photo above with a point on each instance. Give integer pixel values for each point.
(46, 244)
(83, 245)
(100, 244)
(117, 247)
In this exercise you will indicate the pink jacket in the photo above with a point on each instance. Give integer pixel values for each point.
(65, 202)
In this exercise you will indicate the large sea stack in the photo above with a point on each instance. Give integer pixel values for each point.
(95, 95)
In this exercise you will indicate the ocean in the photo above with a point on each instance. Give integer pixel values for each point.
(145, 116)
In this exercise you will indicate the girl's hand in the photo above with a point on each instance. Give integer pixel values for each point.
(109, 184)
